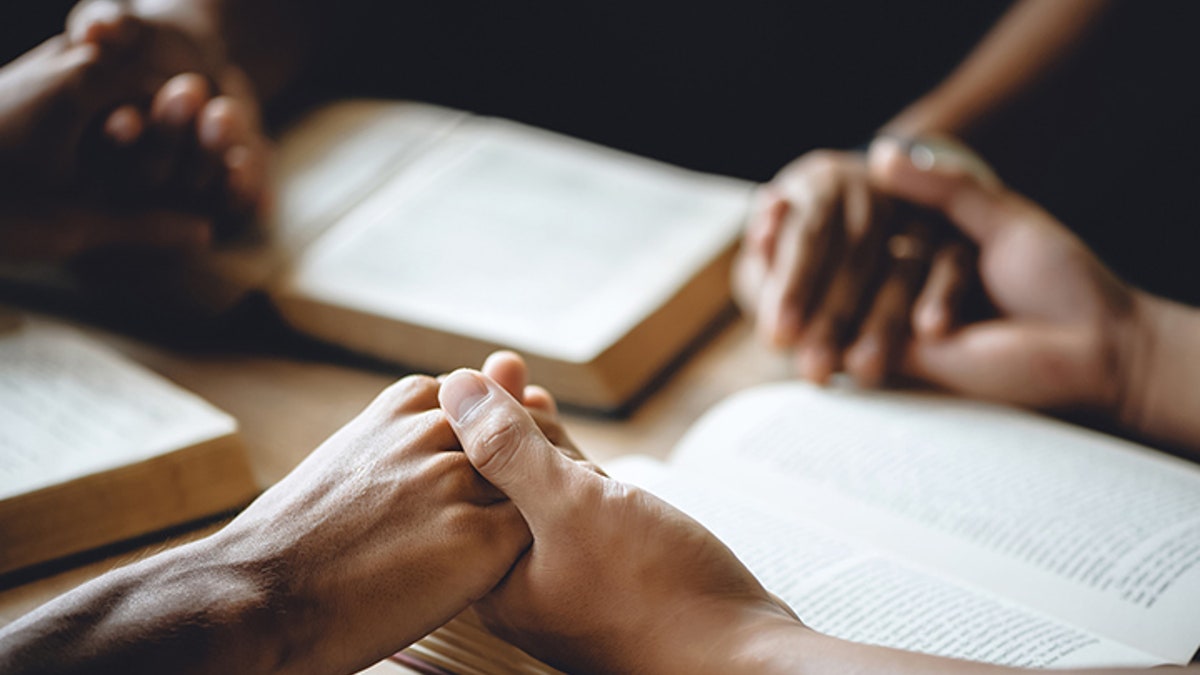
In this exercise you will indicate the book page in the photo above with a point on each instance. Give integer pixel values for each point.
(1081, 526)
(70, 407)
(524, 238)
(850, 590)
(324, 166)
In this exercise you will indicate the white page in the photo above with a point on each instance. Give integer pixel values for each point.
(525, 238)
(855, 592)
(324, 166)
(70, 407)
(1081, 526)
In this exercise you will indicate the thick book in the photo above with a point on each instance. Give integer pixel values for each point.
(933, 524)
(95, 449)
(431, 237)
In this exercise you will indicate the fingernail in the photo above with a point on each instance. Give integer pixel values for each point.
(461, 393)
(176, 111)
(922, 156)
(212, 131)
(947, 154)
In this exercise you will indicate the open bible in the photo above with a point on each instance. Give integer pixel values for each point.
(431, 237)
(95, 449)
(939, 525)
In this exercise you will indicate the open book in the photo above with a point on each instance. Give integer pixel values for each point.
(939, 525)
(431, 237)
(95, 449)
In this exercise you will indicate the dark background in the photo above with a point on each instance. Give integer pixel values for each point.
(743, 87)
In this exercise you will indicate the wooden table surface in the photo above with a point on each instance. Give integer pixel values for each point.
(287, 406)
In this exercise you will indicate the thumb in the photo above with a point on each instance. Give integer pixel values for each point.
(504, 444)
(947, 177)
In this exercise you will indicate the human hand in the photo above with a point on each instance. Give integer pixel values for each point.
(1065, 326)
(508, 369)
(837, 272)
(615, 579)
(382, 534)
(198, 141)
(48, 100)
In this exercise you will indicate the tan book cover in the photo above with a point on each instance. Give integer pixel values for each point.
(95, 449)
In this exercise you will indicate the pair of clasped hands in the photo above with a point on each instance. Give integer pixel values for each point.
(127, 132)
(862, 263)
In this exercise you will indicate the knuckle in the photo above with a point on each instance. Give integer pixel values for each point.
(621, 497)
(594, 497)
(462, 519)
(436, 430)
(496, 444)
(589, 465)
(453, 474)
(410, 393)
(550, 425)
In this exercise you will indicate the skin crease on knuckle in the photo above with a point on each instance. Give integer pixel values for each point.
(500, 440)
(410, 394)
(469, 524)
(458, 480)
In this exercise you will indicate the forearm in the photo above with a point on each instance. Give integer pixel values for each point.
(1163, 373)
(789, 647)
(185, 610)
(1033, 39)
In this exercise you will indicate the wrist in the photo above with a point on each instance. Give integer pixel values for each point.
(234, 607)
(924, 117)
(260, 593)
(1161, 365)
(1133, 362)
(753, 637)
(188, 609)
(774, 644)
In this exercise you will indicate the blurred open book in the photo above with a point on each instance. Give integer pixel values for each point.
(431, 237)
